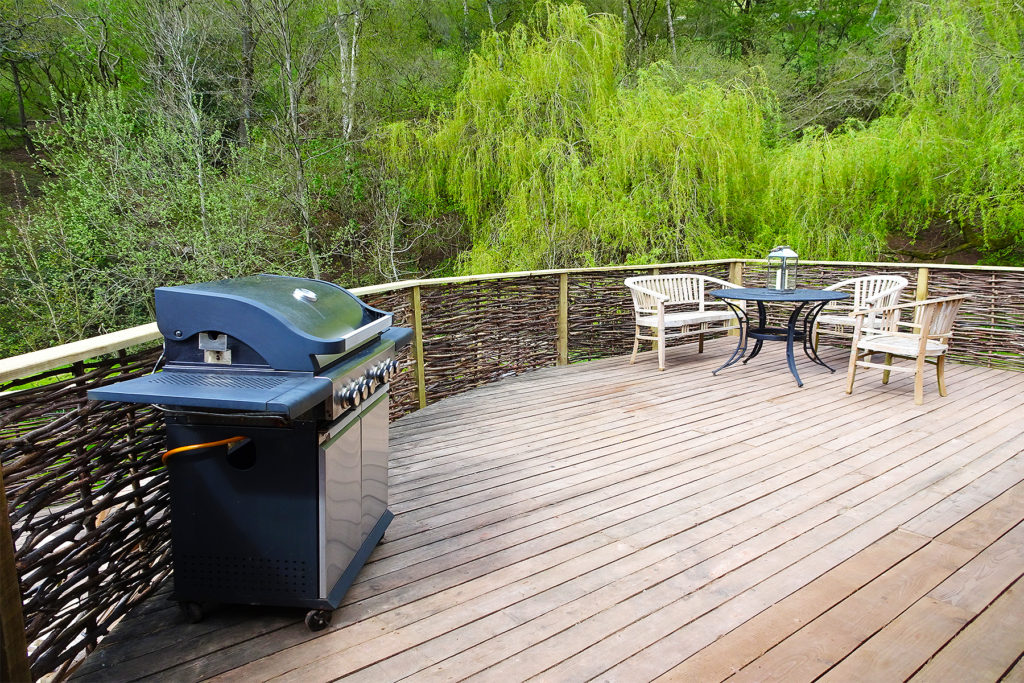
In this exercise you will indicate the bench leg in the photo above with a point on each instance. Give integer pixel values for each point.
(636, 345)
(700, 343)
(661, 348)
(940, 365)
(886, 373)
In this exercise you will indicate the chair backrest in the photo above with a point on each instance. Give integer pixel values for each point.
(934, 316)
(938, 315)
(871, 291)
(648, 290)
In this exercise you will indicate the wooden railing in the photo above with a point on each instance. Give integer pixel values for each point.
(86, 537)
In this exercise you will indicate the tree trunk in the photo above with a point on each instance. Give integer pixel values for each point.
(248, 72)
(198, 151)
(291, 91)
(625, 21)
(344, 54)
(639, 29)
(22, 118)
(490, 14)
(348, 52)
(353, 72)
(671, 26)
(465, 22)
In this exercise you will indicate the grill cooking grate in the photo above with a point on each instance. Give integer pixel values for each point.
(225, 380)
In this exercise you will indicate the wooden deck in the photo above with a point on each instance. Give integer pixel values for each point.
(615, 522)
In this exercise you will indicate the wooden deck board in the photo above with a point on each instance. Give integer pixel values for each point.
(612, 521)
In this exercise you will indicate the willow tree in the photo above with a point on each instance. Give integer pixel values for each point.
(944, 160)
(554, 161)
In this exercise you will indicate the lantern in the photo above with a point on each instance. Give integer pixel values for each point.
(782, 263)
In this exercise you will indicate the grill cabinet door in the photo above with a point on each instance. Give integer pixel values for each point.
(244, 526)
(341, 499)
(375, 463)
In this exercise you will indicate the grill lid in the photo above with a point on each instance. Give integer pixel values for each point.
(286, 320)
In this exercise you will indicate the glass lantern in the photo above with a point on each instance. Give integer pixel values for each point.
(782, 263)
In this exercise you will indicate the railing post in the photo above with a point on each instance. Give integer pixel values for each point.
(563, 319)
(922, 284)
(417, 330)
(735, 277)
(736, 272)
(13, 648)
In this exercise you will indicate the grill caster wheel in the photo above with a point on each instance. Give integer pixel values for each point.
(192, 611)
(318, 619)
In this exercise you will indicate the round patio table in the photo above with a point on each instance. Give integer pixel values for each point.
(817, 298)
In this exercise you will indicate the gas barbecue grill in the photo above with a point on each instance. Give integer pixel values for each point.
(275, 392)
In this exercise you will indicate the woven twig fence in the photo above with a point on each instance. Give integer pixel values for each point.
(403, 384)
(477, 332)
(601, 318)
(86, 497)
(88, 500)
(990, 326)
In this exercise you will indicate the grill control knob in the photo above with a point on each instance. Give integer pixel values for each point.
(364, 388)
(349, 396)
(381, 372)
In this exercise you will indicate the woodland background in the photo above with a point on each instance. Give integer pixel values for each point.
(154, 142)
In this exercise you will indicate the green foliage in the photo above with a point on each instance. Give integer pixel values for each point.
(178, 148)
(121, 216)
(965, 94)
(556, 160)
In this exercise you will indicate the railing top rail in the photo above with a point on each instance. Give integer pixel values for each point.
(406, 284)
(35, 362)
(28, 364)
(904, 266)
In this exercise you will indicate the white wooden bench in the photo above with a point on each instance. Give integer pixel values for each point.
(699, 314)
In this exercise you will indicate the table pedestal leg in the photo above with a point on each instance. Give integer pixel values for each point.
(809, 349)
(790, 334)
(762, 321)
(741, 345)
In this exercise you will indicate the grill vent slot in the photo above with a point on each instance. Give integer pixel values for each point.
(242, 576)
(226, 381)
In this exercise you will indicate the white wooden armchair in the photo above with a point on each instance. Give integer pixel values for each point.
(653, 295)
(872, 291)
(879, 331)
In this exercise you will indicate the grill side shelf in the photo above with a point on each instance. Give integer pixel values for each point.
(288, 394)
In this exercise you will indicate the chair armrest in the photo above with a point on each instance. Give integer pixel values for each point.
(649, 292)
(913, 304)
(723, 284)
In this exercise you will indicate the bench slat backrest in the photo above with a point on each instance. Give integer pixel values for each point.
(649, 290)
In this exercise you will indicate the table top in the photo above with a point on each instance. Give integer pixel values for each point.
(764, 294)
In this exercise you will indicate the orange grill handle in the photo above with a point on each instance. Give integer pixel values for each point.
(194, 447)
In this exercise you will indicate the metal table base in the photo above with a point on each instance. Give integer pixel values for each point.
(817, 299)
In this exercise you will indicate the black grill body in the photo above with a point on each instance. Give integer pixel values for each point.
(278, 475)
(245, 525)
